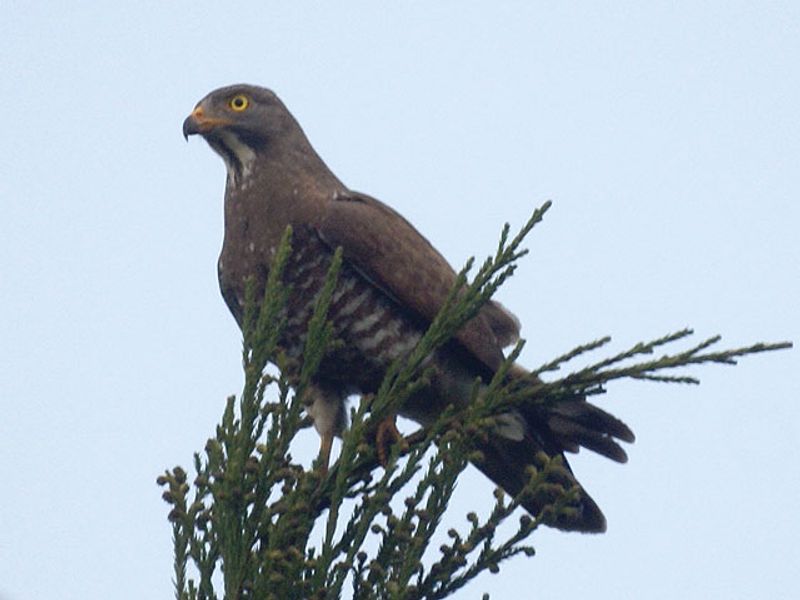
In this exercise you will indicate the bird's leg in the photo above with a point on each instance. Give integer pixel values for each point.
(326, 409)
(386, 435)
(324, 459)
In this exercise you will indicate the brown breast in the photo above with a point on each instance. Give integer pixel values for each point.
(372, 329)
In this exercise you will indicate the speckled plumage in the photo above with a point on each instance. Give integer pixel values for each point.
(392, 284)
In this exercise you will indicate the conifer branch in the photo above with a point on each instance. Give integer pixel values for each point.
(251, 509)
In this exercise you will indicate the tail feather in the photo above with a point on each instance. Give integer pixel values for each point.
(572, 434)
(522, 434)
(506, 463)
(571, 424)
(553, 429)
(591, 417)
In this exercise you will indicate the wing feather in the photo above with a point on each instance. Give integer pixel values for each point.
(387, 250)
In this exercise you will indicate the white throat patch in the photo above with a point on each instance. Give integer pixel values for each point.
(238, 174)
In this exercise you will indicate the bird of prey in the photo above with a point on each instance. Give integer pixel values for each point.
(391, 285)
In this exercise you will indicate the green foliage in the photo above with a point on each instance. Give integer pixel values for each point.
(250, 511)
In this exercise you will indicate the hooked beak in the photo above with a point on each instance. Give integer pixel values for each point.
(197, 122)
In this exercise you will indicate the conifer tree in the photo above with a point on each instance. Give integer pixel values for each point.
(244, 523)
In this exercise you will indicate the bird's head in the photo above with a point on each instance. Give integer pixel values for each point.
(253, 113)
(239, 122)
(254, 133)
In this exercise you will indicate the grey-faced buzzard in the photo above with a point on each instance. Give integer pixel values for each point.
(392, 283)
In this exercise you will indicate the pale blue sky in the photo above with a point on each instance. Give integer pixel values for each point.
(666, 133)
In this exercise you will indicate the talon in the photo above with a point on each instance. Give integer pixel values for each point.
(386, 435)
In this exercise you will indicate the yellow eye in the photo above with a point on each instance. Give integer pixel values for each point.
(239, 102)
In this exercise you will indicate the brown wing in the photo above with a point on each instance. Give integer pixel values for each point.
(394, 256)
